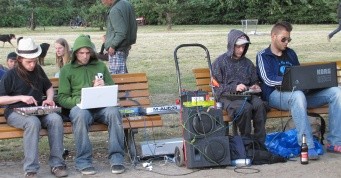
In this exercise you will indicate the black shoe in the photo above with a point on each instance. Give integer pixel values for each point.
(59, 171)
(88, 171)
(30, 175)
(117, 169)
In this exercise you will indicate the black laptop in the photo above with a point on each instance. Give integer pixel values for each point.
(307, 77)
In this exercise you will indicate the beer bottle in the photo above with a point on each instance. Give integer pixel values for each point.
(304, 151)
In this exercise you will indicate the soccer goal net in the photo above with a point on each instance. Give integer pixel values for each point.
(249, 26)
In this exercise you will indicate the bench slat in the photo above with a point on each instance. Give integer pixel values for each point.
(55, 82)
(133, 86)
(140, 102)
(7, 131)
(203, 81)
(2, 120)
(134, 94)
(129, 78)
(201, 73)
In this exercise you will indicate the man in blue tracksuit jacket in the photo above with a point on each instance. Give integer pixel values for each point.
(271, 64)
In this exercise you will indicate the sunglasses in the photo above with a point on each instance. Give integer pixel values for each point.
(284, 39)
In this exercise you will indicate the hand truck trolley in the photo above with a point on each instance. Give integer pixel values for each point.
(204, 140)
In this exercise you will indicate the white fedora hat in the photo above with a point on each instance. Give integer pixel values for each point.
(28, 49)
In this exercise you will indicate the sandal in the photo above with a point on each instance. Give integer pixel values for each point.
(334, 148)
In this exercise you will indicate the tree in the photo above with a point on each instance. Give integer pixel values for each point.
(97, 15)
(165, 10)
(36, 4)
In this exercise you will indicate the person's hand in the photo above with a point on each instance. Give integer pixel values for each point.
(98, 82)
(255, 88)
(48, 103)
(241, 87)
(29, 100)
(111, 51)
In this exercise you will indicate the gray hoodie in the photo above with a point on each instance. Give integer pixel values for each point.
(229, 72)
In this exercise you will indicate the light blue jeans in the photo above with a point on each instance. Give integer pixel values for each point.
(298, 102)
(31, 126)
(82, 119)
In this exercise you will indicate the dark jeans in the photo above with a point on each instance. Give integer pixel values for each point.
(336, 30)
(244, 112)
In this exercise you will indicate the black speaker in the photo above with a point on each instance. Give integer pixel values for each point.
(202, 122)
(207, 152)
(204, 134)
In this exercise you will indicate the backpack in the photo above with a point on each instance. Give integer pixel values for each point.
(245, 147)
(317, 123)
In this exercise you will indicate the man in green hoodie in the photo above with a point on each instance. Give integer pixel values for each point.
(234, 73)
(74, 76)
(121, 34)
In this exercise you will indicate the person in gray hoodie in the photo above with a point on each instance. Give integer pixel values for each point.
(235, 73)
(330, 35)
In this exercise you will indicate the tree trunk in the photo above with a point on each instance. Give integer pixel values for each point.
(169, 20)
(33, 21)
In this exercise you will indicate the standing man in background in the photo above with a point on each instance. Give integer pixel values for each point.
(338, 28)
(121, 34)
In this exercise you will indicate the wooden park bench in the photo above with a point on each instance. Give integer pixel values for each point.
(203, 79)
(133, 92)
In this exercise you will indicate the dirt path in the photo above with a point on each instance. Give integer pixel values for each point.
(327, 166)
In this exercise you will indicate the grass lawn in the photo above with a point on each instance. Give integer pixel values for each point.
(154, 54)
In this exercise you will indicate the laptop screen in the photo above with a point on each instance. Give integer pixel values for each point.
(306, 77)
(98, 97)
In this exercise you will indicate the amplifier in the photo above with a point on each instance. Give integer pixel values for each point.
(170, 109)
(160, 147)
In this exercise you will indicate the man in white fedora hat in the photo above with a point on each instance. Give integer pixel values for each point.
(24, 86)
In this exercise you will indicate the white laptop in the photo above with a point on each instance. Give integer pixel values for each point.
(98, 97)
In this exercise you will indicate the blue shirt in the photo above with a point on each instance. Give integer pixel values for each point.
(270, 69)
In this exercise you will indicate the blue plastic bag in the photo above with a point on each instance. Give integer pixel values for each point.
(285, 144)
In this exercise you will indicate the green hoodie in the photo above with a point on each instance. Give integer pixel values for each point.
(73, 76)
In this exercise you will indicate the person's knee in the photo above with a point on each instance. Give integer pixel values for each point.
(113, 114)
(33, 122)
(298, 99)
(54, 119)
(336, 93)
(79, 115)
(247, 108)
(259, 104)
